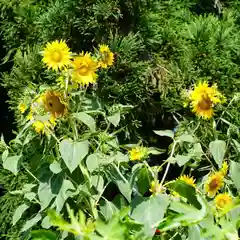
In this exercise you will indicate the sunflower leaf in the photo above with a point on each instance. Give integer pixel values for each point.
(218, 149)
(86, 119)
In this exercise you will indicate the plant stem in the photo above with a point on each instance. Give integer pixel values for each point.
(168, 165)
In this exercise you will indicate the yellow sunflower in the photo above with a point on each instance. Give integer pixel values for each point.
(203, 98)
(224, 169)
(22, 107)
(223, 200)
(138, 153)
(155, 187)
(188, 180)
(106, 56)
(57, 55)
(54, 104)
(84, 69)
(41, 127)
(214, 184)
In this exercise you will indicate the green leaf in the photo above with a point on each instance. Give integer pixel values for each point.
(155, 151)
(86, 119)
(185, 190)
(186, 138)
(18, 213)
(114, 119)
(45, 195)
(93, 162)
(30, 223)
(120, 157)
(165, 133)
(5, 155)
(30, 195)
(64, 193)
(182, 159)
(73, 152)
(108, 209)
(55, 167)
(43, 235)
(124, 188)
(218, 149)
(237, 145)
(46, 223)
(235, 173)
(150, 212)
(194, 233)
(98, 182)
(12, 164)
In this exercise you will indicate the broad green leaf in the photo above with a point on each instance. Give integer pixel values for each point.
(63, 195)
(32, 222)
(155, 151)
(235, 173)
(197, 150)
(5, 155)
(55, 167)
(187, 214)
(18, 212)
(107, 209)
(30, 195)
(150, 212)
(124, 188)
(93, 162)
(142, 178)
(120, 202)
(12, 164)
(237, 145)
(86, 119)
(45, 195)
(194, 233)
(120, 157)
(165, 133)
(185, 190)
(46, 223)
(98, 182)
(114, 119)
(186, 138)
(73, 152)
(43, 235)
(182, 159)
(218, 149)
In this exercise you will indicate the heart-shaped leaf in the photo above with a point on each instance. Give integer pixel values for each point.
(73, 152)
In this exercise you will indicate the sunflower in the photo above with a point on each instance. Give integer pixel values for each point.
(22, 107)
(223, 200)
(57, 55)
(106, 56)
(188, 180)
(155, 187)
(42, 127)
(84, 69)
(224, 169)
(54, 104)
(203, 98)
(214, 183)
(138, 153)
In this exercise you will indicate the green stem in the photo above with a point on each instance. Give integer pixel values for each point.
(168, 165)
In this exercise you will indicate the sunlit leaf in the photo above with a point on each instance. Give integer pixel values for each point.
(165, 133)
(86, 119)
(114, 119)
(45, 194)
(182, 159)
(12, 164)
(107, 209)
(73, 152)
(186, 138)
(18, 212)
(235, 173)
(150, 212)
(218, 149)
(55, 167)
(32, 222)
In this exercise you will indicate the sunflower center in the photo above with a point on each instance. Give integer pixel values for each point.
(222, 202)
(56, 56)
(83, 69)
(55, 106)
(213, 184)
(205, 103)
